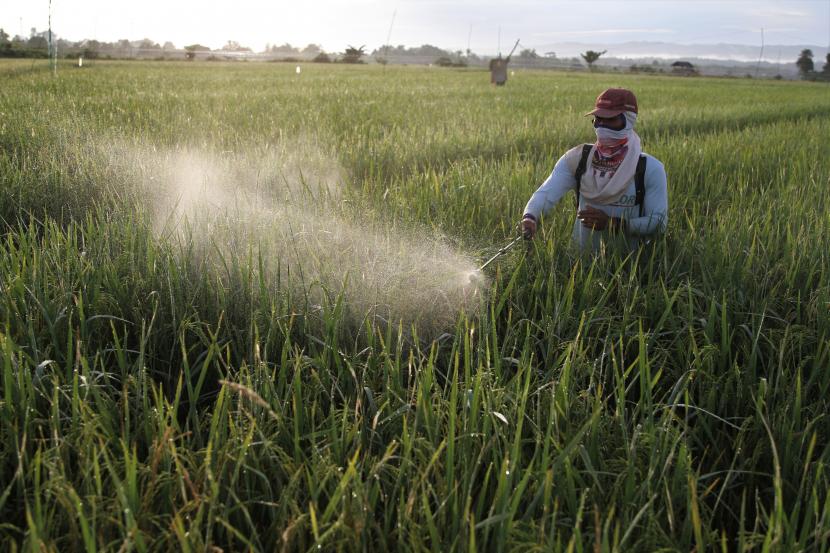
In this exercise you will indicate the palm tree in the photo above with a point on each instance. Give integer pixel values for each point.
(353, 55)
(590, 57)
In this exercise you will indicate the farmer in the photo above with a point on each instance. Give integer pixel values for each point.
(620, 191)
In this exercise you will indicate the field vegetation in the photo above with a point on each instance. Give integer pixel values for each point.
(234, 315)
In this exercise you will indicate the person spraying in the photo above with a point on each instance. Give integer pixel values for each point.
(621, 192)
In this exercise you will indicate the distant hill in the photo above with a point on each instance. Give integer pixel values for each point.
(669, 50)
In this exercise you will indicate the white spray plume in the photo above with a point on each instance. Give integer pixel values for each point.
(287, 203)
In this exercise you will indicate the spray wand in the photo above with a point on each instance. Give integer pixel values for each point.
(501, 252)
(477, 274)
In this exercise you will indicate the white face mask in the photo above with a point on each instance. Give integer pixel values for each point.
(610, 135)
(607, 135)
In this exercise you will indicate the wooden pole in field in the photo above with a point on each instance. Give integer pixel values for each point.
(761, 55)
(52, 53)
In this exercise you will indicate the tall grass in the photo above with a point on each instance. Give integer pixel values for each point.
(155, 396)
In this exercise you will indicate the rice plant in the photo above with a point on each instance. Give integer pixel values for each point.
(231, 319)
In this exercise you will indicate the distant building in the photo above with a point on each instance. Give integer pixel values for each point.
(683, 68)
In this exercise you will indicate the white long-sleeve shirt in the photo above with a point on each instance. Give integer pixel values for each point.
(655, 205)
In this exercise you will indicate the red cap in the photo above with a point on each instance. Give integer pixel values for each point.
(613, 102)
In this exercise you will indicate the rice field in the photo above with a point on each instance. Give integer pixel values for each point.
(235, 315)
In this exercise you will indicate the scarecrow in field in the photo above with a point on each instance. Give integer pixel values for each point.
(498, 70)
(498, 67)
(621, 192)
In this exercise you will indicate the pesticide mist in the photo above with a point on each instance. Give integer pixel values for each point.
(283, 209)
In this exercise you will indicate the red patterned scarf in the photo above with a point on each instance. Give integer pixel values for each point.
(608, 156)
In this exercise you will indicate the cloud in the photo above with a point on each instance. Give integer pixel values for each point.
(780, 12)
(606, 32)
(756, 30)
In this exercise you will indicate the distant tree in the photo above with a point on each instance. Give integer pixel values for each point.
(322, 57)
(93, 44)
(382, 51)
(124, 47)
(147, 44)
(445, 61)
(528, 53)
(353, 55)
(190, 51)
(551, 55)
(805, 62)
(381, 54)
(683, 68)
(644, 68)
(311, 50)
(37, 42)
(285, 50)
(62, 44)
(428, 50)
(5, 44)
(591, 56)
(234, 46)
(825, 69)
(168, 46)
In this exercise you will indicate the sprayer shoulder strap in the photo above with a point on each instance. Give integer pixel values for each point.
(640, 184)
(580, 169)
(639, 177)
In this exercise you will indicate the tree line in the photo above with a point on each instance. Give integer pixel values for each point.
(36, 45)
(807, 69)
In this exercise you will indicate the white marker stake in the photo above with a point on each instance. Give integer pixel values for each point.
(298, 70)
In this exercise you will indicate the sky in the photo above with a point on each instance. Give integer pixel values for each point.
(485, 26)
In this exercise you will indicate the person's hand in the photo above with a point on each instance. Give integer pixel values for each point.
(528, 227)
(593, 218)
